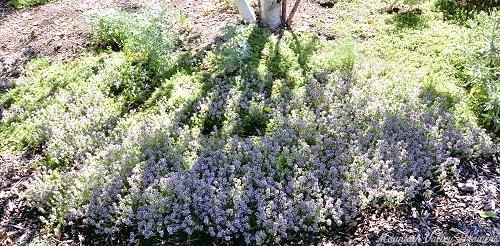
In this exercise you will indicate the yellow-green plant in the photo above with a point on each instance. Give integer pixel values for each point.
(19, 4)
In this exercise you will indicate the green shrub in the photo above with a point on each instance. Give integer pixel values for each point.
(453, 10)
(243, 47)
(19, 4)
(480, 69)
(140, 36)
(411, 19)
(36, 90)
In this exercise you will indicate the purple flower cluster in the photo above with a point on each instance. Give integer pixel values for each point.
(317, 168)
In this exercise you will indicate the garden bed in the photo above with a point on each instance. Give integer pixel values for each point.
(175, 123)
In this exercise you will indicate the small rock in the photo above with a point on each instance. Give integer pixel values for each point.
(24, 237)
(42, 219)
(469, 186)
(57, 232)
(35, 33)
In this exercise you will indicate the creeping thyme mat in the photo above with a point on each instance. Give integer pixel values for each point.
(264, 139)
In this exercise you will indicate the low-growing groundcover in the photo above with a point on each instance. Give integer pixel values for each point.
(263, 139)
(19, 4)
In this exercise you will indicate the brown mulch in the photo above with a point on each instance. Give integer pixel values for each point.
(450, 213)
(17, 222)
(202, 22)
(57, 31)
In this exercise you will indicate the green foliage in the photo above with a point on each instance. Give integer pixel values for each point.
(411, 19)
(253, 121)
(19, 4)
(243, 46)
(111, 29)
(487, 214)
(411, 2)
(481, 69)
(463, 10)
(140, 36)
(453, 10)
(409, 57)
(337, 56)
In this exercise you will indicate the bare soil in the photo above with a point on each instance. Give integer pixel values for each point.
(55, 30)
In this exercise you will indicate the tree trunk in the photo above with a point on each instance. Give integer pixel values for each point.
(270, 13)
(246, 11)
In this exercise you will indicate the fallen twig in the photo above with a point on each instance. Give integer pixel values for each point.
(17, 227)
